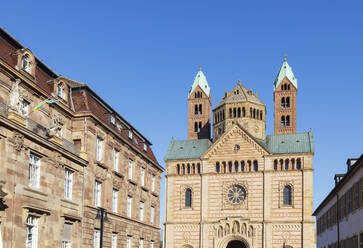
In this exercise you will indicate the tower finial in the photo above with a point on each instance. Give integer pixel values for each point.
(200, 67)
(239, 81)
(285, 57)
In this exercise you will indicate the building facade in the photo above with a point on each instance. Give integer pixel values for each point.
(242, 188)
(339, 218)
(65, 153)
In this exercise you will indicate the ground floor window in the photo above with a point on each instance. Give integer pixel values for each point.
(31, 232)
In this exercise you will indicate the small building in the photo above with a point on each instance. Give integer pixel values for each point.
(339, 217)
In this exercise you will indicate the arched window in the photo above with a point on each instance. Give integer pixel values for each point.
(234, 113)
(198, 168)
(195, 95)
(287, 102)
(230, 113)
(188, 168)
(275, 164)
(200, 126)
(224, 167)
(250, 112)
(188, 197)
(223, 114)
(183, 169)
(196, 109)
(218, 167)
(258, 114)
(261, 115)
(288, 87)
(254, 113)
(227, 229)
(282, 121)
(25, 63)
(286, 164)
(255, 165)
(200, 109)
(195, 127)
(230, 166)
(298, 164)
(249, 165)
(193, 167)
(283, 104)
(178, 169)
(287, 195)
(235, 228)
(239, 112)
(293, 163)
(60, 90)
(243, 112)
(281, 164)
(220, 232)
(288, 120)
(242, 165)
(236, 166)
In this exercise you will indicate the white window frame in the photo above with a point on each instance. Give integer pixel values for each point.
(96, 238)
(97, 193)
(31, 232)
(141, 211)
(130, 168)
(116, 155)
(145, 147)
(152, 244)
(112, 119)
(114, 240)
(152, 215)
(99, 149)
(68, 184)
(27, 66)
(24, 108)
(60, 90)
(129, 206)
(114, 200)
(128, 242)
(66, 244)
(142, 176)
(141, 244)
(34, 171)
(152, 182)
(130, 134)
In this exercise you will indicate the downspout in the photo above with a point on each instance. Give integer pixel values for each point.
(84, 171)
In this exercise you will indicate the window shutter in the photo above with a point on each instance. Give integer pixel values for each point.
(67, 232)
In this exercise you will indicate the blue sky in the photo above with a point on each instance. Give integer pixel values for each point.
(142, 56)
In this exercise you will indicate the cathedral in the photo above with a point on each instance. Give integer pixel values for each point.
(241, 187)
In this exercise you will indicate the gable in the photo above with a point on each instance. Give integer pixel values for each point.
(227, 145)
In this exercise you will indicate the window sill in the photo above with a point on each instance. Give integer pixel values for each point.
(101, 164)
(118, 174)
(132, 181)
(155, 194)
(145, 189)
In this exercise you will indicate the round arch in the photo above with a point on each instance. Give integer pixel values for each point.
(233, 238)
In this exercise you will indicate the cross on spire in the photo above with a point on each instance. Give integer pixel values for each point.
(285, 57)
(200, 67)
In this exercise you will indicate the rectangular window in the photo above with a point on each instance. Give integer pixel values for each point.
(128, 242)
(142, 176)
(141, 211)
(130, 168)
(60, 90)
(152, 215)
(344, 209)
(141, 244)
(66, 235)
(130, 134)
(129, 206)
(145, 147)
(151, 244)
(24, 108)
(114, 240)
(152, 182)
(96, 238)
(114, 200)
(34, 171)
(97, 199)
(350, 196)
(356, 196)
(112, 119)
(115, 159)
(68, 184)
(66, 244)
(31, 232)
(99, 147)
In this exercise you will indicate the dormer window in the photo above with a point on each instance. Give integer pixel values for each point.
(60, 90)
(130, 134)
(145, 147)
(135, 141)
(112, 119)
(119, 127)
(25, 63)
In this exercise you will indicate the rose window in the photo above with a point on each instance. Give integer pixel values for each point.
(236, 194)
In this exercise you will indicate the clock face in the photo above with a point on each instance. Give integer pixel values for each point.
(236, 194)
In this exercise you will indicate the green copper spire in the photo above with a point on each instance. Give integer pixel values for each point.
(285, 71)
(200, 80)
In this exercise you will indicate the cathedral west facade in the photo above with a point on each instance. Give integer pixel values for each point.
(241, 188)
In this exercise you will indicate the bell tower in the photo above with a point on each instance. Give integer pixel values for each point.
(199, 108)
(285, 93)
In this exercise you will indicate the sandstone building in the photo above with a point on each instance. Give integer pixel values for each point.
(59, 164)
(242, 188)
(339, 218)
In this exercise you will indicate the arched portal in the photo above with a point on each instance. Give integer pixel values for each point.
(236, 244)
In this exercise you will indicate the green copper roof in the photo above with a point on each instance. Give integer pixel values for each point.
(200, 80)
(187, 149)
(285, 71)
(290, 143)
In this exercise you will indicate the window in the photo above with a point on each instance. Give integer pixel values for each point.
(145, 147)
(97, 193)
(114, 240)
(236, 166)
(60, 90)
(66, 235)
(142, 176)
(196, 109)
(25, 63)
(229, 166)
(96, 238)
(288, 120)
(195, 126)
(141, 211)
(24, 108)
(255, 165)
(188, 198)
(141, 244)
(350, 196)
(114, 200)
(287, 102)
(152, 215)
(298, 164)
(34, 171)
(282, 121)
(275, 164)
(68, 184)
(129, 206)
(130, 134)
(115, 159)
(31, 232)
(287, 195)
(130, 168)
(112, 119)
(99, 147)
(152, 182)
(135, 141)
(128, 242)
(66, 244)
(356, 195)
(151, 244)
(218, 167)
(286, 164)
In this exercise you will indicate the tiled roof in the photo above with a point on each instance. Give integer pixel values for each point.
(187, 149)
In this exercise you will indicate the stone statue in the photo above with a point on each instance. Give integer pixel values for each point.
(56, 126)
(15, 98)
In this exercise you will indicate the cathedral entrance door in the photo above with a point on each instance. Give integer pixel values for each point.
(236, 244)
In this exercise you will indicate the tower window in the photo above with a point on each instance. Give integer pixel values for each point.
(250, 112)
(283, 104)
(288, 87)
(200, 109)
(195, 126)
(258, 114)
(230, 166)
(218, 167)
(196, 109)
(188, 198)
(287, 195)
(234, 113)
(287, 102)
(236, 166)
(223, 114)
(188, 168)
(242, 165)
(178, 169)
(243, 112)
(254, 113)
(249, 165)
(286, 164)
(255, 165)
(200, 126)
(288, 120)
(298, 164)
(26, 63)
(230, 113)
(198, 168)
(239, 112)
(282, 121)
(275, 164)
